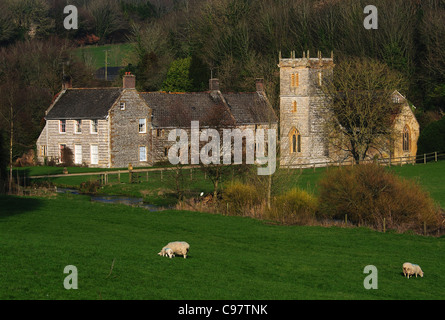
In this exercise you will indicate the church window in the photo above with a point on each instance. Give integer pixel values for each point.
(406, 139)
(294, 106)
(294, 80)
(295, 141)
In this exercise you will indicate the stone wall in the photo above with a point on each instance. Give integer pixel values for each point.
(125, 138)
(51, 139)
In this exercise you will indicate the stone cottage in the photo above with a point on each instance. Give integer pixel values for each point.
(113, 127)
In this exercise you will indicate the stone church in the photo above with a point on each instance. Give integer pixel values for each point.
(303, 141)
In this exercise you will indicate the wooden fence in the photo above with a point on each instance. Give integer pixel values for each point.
(104, 176)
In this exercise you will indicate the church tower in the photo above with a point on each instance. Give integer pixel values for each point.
(302, 104)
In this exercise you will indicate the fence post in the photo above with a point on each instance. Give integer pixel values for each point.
(161, 173)
(346, 218)
(424, 158)
(119, 176)
(424, 228)
(384, 225)
(435, 156)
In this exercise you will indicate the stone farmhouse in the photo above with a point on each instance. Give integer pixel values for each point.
(303, 141)
(115, 127)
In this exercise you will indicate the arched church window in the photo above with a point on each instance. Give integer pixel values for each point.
(295, 141)
(406, 139)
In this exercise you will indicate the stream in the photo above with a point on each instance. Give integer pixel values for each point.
(130, 201)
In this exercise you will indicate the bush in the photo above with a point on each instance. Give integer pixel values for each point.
(90, 186)
(240, 199)
(294, 207)
(368, 194)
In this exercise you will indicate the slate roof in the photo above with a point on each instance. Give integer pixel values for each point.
(179, 109)
(250, 108)
(91, 103)
(210, 108)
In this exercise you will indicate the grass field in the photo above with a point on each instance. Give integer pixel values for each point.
(118, 55)
(230, 257)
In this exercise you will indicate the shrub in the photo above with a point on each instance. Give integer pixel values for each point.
(240, 199)
(294, 207)
(368, 194)
(90, 186)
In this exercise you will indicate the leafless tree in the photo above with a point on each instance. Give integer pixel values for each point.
(360, 108)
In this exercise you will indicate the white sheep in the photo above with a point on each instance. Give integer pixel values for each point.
(410, 269)
(178, 247)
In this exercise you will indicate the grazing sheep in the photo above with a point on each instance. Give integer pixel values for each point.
(410, 269)
(178, 247)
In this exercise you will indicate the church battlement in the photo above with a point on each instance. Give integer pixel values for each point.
(306, 61)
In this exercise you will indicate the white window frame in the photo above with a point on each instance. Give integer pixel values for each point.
(144, 123)
(94, 123)
(60, 126)
(78, 126)
(122, 105)
(77, 150)
(91, 154)
(145, 154)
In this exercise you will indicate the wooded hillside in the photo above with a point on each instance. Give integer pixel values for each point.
(234, 40)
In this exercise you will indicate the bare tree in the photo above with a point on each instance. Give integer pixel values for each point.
(360, 106)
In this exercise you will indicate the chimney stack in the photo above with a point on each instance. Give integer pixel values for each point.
(214, 84)
(259, 84)
(129, 81)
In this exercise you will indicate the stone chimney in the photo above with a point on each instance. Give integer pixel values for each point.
(259, 84)
(129, 81)
(67, 82)
(214, 84)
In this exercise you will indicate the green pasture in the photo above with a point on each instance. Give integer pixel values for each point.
(230, 257)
